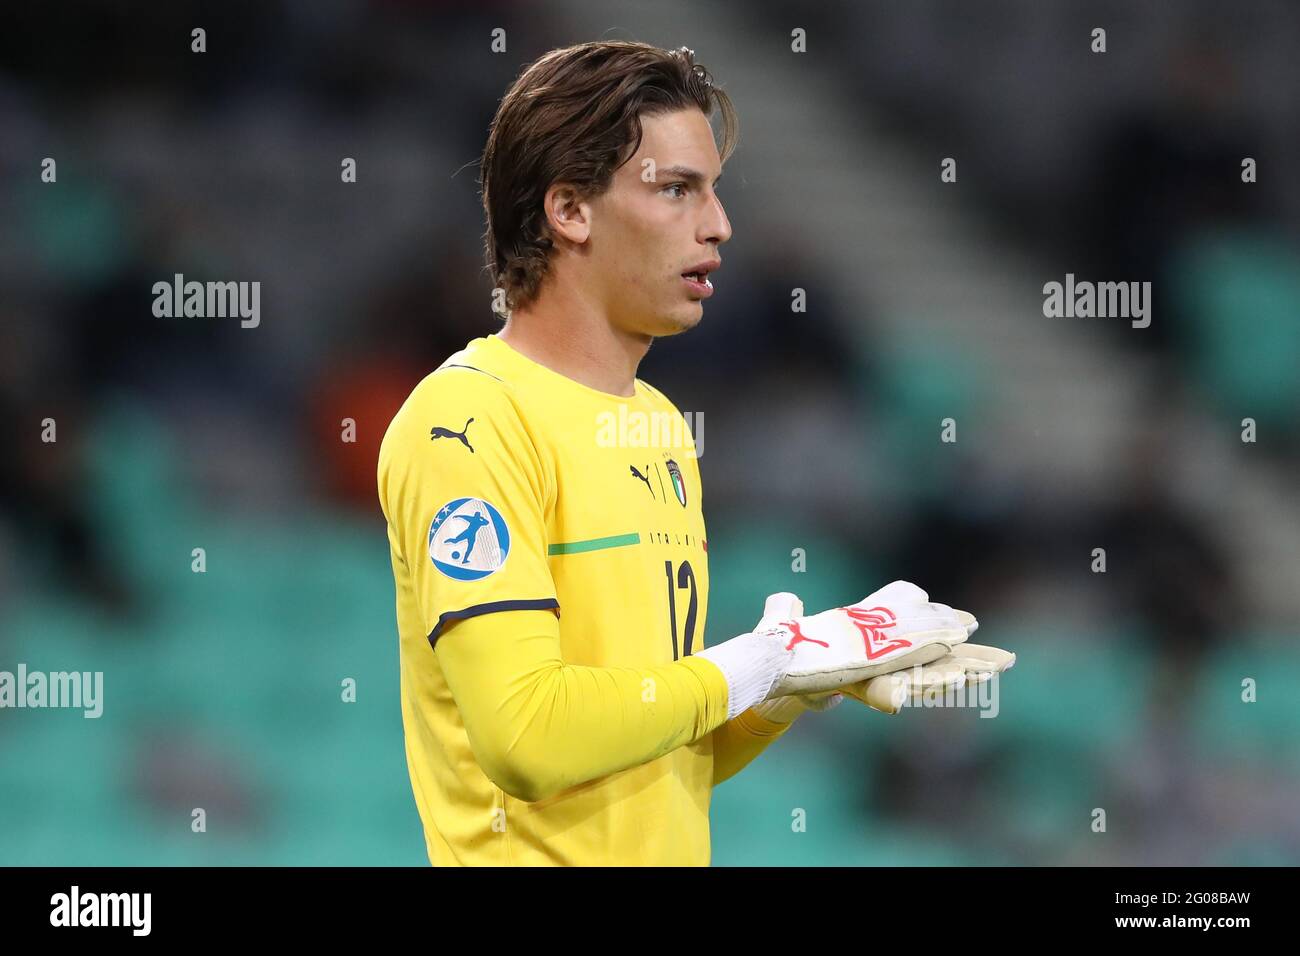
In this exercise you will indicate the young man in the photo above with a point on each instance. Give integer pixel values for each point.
(552, 572)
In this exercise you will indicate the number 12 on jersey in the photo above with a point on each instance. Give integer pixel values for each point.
(684, 578)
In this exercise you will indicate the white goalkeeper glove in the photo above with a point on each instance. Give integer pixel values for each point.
(785, 606)
(890, 629)
(968, 664)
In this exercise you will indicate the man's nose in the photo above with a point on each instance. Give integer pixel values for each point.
(716, 227)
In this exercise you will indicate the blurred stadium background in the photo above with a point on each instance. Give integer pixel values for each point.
(222, 689)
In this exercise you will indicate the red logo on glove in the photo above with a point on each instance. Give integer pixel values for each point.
(870, 622)
(799, 635)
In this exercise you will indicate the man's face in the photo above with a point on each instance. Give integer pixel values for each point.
(647, 231)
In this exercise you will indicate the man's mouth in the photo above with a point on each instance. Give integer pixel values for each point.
(697, 279)
(698, 282)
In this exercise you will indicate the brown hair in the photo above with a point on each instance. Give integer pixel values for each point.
(574, 116)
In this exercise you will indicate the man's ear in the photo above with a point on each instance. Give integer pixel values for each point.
(567, 213)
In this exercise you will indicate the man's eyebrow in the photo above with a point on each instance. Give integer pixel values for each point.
(692, 176)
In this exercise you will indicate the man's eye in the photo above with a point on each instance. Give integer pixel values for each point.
(680, 186)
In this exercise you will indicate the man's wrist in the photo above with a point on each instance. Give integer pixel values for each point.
(752, 664)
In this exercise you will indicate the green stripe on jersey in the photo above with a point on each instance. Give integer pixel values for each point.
(594, 544)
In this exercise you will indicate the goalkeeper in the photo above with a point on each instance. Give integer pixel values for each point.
(559, 702)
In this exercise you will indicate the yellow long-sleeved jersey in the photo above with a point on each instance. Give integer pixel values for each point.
(549, 552)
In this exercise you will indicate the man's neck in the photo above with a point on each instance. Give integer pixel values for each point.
(579, 343)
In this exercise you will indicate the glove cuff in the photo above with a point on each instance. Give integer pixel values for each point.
(751, 663)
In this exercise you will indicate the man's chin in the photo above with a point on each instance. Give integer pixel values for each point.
(683, 320)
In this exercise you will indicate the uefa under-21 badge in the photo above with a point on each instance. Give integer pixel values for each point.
(468, 539)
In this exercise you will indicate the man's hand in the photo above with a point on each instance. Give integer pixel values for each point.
(808, 662)
(779, 607)
(967, 664)
(890, 629)
(888, 693)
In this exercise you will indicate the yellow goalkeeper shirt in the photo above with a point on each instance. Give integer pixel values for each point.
(549, 552)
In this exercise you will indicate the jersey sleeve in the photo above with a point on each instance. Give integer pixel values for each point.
(737, 742)
(464, 491)
(539, 726)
